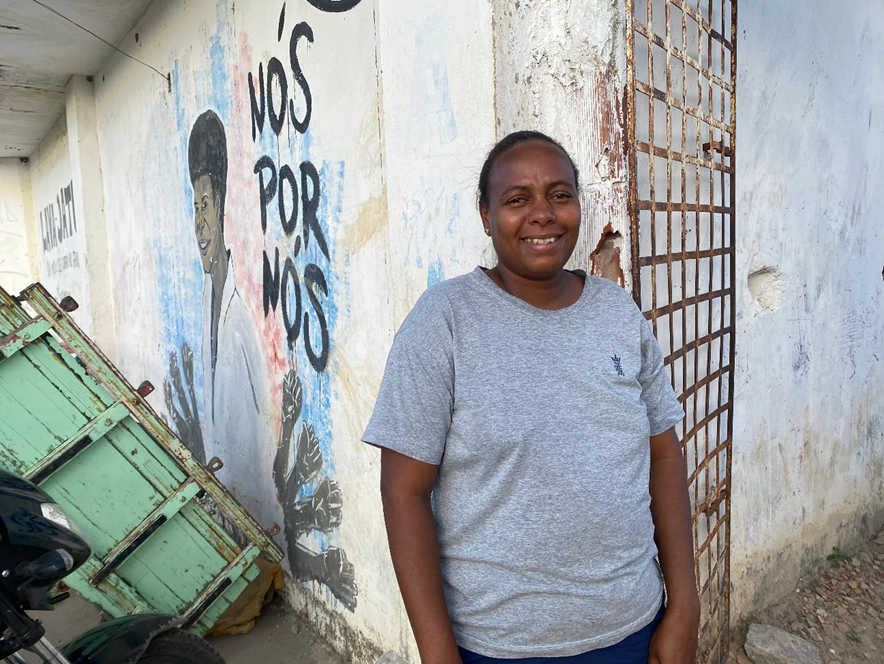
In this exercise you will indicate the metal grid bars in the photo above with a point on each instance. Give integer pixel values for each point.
(681, 76)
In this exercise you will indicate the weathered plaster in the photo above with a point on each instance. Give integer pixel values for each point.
(560, 68)
(15, 266)
(808, 468)
(61, 241)
(86, 178)
(406, 98)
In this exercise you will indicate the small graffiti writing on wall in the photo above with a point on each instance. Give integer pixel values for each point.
(289, 195)
(61, 263)
(58, 223)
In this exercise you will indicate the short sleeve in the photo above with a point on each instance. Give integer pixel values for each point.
(412, 413)
(664, 411)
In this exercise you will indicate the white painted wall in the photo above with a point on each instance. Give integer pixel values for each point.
(87, 185)
(61, 237)
(16, 240)
(560, 68)
(808, 437)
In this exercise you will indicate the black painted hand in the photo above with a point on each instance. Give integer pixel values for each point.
(321, 511)
(292, 401)
(309, 458)
(338, 574)
(185, 415)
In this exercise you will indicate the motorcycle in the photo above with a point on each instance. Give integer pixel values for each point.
(39, 546)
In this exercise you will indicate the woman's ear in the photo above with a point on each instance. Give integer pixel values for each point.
(483, 213)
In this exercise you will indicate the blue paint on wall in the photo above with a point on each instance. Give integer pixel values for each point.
(220, 60)
(431, 118)
(318, 391)
(435, 273)
(180, 301)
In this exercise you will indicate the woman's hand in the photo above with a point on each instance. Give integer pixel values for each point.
(675, 639)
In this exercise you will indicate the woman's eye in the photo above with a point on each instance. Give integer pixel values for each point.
(515, 201)
(562, 196)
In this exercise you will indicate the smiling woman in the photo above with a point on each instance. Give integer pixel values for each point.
(529, 206)
(530, 472)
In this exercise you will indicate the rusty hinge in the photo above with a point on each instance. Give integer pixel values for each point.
(719, 147)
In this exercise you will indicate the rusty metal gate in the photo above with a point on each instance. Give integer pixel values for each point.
(681, 78)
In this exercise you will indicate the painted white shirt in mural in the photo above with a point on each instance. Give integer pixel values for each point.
(236, 402)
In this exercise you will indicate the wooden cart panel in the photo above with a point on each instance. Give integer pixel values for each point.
(70, 422)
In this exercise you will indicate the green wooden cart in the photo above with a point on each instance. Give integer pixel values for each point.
(70, 422)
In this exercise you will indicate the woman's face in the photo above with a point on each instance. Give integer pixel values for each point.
(533, 212)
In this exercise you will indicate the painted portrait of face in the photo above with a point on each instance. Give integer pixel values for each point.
(207, 162)
(207, 223)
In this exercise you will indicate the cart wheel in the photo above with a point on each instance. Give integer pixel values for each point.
(179, 647)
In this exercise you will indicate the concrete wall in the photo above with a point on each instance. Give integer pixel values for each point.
(60, 231)
(808, 438)
(560, 67)
(18, 249)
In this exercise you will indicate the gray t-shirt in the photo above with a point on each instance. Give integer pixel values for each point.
(539, 422)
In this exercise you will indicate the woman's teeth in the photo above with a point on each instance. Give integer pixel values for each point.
(546, 240)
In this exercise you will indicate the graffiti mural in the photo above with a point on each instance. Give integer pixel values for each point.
(232, 364)
(295, 261)
(221, 397)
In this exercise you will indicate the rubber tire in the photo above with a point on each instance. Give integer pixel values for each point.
(179, 647)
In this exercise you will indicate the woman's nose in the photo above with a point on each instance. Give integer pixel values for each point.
(542, 211)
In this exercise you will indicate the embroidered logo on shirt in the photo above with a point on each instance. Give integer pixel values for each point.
(617, 366)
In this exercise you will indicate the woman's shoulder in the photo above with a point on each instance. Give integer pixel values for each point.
(604, 287)
(447, 294)
(607, 294)
(438, 306)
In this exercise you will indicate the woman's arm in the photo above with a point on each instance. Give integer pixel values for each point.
(675, 640)
(406, 485)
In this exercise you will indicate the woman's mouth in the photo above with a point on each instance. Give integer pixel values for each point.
(204, 244)
(540, 240)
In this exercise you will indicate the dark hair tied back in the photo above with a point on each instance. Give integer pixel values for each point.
(505, 144)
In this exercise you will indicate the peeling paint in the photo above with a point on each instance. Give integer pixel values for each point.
(605, 257)
(767, 286)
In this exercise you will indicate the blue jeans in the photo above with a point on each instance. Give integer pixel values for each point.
(631, 650)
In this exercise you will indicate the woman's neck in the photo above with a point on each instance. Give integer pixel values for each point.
(561, 290)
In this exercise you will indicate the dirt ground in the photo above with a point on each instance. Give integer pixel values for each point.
(279, 636)
(841, 610)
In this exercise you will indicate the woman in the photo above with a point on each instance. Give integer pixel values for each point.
(530, 471)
